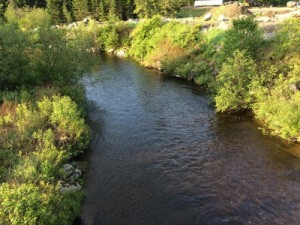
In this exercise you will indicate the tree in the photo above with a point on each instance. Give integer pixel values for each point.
(3, 6)
(56, 11)
(169, 7)
(147, 8)
(244, 35)
(81, 9)
(234, 83)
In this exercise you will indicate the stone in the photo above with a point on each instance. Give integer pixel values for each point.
(204, 29)
(121, 53)
(282, 17)
(222, 18)
(223, 25)
(68, 168)
(207, 16)
(269, 36)
(262, 19)
(291, 4)
(66, 187)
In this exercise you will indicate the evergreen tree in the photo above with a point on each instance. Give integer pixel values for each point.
(3, 6)
(81, 9)
(56, 11)
(101, 10)
(113, 11)
(147, 8)
(169, 7)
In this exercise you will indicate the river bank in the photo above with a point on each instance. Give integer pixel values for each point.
(241, 67)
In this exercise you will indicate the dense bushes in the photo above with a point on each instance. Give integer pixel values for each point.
(40, 129)
(44, 56)
(244, 35)
(269, 89)
(234, 83)
(154, 41)
(40, 137)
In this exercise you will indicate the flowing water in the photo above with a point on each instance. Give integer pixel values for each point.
(160, 155)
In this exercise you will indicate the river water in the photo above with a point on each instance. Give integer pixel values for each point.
(160, 155)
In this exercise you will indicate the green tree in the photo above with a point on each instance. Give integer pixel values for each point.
(113, 11)
(3, 7)
(169, 7)
(56, 10)
(147, 8)
(244, 35)
(81, 9)
(234, 83)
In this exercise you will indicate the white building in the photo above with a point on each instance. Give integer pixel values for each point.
(208, 3)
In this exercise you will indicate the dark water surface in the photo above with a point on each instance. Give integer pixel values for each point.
(160, 155)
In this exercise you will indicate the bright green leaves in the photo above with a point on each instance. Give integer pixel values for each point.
(234, 83)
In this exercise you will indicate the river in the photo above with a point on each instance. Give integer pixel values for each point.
(160, 155)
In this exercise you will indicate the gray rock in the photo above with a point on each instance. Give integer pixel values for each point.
(121, 53)
(223, 25)
(68, 168)
(222, 18)
(66, 187)
(269, 36)
(207, 16)
(262, 19)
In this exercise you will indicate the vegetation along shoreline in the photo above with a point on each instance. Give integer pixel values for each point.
(246, 61)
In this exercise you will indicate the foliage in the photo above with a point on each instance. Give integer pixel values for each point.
(149, 34)
(244, 36)
(13, 60)
(287, 40)
(29, 204)
(37, 138)
(3, 6)
(234, 83)
(279, 104)
(190, 12)
(28, 19)
(44, 56)
(56, 11)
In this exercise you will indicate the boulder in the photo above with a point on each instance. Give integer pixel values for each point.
(68, 169)
(222, 18)
(66, 187)
(269, 36)
(262, 19)
(291, 4)
(207, 16)
(121, 53)
(223, 25)
(111, 51)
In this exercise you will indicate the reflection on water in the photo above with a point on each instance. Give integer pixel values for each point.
(161, 156)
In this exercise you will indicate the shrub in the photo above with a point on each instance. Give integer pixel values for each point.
(37, 205)
(140, 44)
(287, 39)
(28, 19)
(279, 107)
(243, 36)
(234, 83)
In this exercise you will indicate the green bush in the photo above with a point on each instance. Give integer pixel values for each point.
(140, 44)
(279, 105)
(243, 36)
(29, 204)
(234, 83)
(154, 41)
(287, 39)
(28, 19)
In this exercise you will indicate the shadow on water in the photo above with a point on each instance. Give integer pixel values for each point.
(161, 156)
